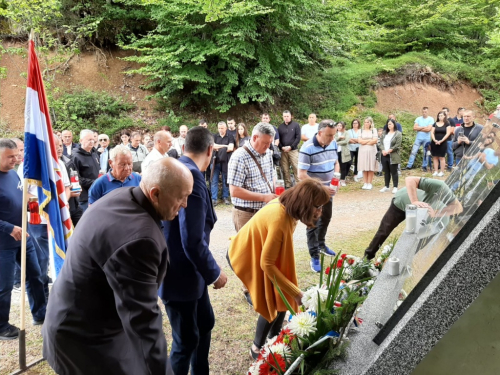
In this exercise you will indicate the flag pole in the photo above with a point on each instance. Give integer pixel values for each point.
(22, 327)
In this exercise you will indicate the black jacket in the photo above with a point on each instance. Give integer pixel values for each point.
(103, 316)
(87, 165)
(289, 135)
(74, 147)
(460, 149)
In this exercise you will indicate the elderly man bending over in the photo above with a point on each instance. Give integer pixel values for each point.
(120, 174)
(103, 316)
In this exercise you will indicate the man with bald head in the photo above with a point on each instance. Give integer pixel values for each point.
(180, 140)
(103, 316)
(163, 143)
(69, 146)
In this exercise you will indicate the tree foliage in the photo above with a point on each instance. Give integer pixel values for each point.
(231, 51)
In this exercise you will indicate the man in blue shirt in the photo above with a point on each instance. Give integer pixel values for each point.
(423, 127)
(103, 152)
(318, 159)
(192, 266)
(11, 208)
(119, 176)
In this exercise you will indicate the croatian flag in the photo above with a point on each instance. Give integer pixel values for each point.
(41, 166)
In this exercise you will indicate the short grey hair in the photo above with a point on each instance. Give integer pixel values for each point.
(323, 124)
(7, 143)
(119, 150)
(287, 112)
(84, 132)
(263, 128)
(17, 140)
(221, 123)
(103, 135)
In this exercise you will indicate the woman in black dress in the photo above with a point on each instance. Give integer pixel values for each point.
(440, 132)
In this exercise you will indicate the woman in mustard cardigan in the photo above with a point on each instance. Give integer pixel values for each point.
(262, 252)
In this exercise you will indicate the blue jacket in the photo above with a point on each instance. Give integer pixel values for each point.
(192, 266)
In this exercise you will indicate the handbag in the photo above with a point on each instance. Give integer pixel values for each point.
(276, 154)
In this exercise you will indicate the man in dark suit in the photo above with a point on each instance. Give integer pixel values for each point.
(103, 317)
(68, 145)
(192, 266)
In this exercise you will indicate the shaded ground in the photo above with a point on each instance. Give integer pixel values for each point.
(356, 216)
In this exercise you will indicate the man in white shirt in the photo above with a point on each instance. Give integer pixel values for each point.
(179, 142)
(163, 142)
(310, 129)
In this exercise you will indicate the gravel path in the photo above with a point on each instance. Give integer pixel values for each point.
(353, 212)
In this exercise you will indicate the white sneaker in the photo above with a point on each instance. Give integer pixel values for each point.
(394, 190)
(369, 186)
(356, 178)
(435, 173)
(364, 187)
(440, 174)
(342, 183)
(384, 189)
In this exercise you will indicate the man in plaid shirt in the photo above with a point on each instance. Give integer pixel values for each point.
(250, 191)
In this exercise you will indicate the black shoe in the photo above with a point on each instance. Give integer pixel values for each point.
(214, 202)
(37, 322)
(424, 169)
(407, 168)
(11, 333)
(379, 174)
(248, 298)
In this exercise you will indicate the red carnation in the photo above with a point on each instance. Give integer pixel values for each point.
(276, 361)
(343, 256)
(340, 262)
(327, 271)
(350, 261)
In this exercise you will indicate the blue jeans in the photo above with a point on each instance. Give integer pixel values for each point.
(40, 238)
(457, 160)
(192, 323)
(34, 286)
(215, 183)
(449, 152)
(414, 151)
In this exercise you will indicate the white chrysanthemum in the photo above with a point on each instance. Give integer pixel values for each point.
(302, 324)
(280, 348)
(310, 297)
(386, 249)
(255, 368)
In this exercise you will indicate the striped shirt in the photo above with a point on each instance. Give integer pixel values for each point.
(319, 162)
(244, 173)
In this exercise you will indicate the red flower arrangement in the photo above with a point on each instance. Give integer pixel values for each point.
(271, 363)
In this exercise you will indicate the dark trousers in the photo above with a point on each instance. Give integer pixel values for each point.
(265, 329)
(34, 286)
(316, 236)
(354, 159)
(219, 169)
(389, 170)
(344, 167)
(192, 323)
(392, 218)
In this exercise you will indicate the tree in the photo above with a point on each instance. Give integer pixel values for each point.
(228, 51)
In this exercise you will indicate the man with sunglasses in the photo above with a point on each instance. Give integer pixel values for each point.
(318, 159)
(103, 152)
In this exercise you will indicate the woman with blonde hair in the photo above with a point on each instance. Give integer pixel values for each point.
(367, 154)
(262, 253)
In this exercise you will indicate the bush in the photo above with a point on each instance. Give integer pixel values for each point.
(84, 108)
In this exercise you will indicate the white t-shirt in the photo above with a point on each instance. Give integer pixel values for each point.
(309, 130)
(387, 140)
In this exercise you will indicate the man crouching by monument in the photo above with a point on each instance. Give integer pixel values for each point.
(102, 316)
(428, 193)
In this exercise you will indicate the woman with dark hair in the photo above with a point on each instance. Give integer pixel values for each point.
(344, 153)
(125, 137)
(389, 144)
(354, 134)
(262, 253)
(241, 134)
(441, 131)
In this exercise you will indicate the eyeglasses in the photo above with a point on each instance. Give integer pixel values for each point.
(103, 140)
(318, 207)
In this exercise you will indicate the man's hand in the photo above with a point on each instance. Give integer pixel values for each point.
(269, 197)
(75, 194)
(286, 148)
(421, 204)
(221, 281)
(17, 233)
(384, 153)
(331, 191)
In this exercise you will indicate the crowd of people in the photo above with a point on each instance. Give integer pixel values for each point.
(104, 302)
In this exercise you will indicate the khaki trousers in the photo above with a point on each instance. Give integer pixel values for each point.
(240, 218)
(288, 159)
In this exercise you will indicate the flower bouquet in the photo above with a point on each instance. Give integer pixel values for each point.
(327, 310)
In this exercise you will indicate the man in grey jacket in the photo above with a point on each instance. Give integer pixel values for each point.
(465, 135)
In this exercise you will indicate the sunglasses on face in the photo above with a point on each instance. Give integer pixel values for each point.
(103, 140)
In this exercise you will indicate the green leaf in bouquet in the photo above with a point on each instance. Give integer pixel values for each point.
(285, 301)
(321, 273)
